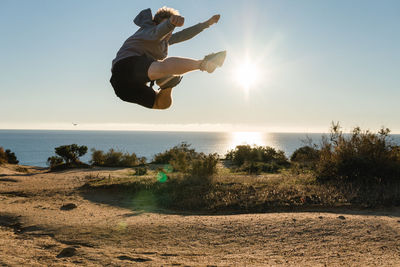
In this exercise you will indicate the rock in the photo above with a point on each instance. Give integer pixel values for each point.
(342, 217)
(320, 217)
(67, 252)
(69, 206)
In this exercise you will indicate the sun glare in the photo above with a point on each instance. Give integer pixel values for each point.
(247, 138)
(247, 74)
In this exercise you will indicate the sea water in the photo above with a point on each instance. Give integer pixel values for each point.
(33, 147)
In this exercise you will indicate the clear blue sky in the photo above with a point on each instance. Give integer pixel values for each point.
(320, 61)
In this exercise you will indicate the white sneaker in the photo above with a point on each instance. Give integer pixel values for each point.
(212, 61)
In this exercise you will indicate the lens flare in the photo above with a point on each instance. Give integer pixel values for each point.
(162, 177)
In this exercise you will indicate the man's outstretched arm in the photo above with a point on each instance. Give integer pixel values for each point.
(190, 32)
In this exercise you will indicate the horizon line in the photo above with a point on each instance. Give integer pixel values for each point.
(190, 127)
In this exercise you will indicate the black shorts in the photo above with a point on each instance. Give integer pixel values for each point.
(129, 79)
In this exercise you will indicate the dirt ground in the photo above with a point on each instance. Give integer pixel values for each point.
(115, 230)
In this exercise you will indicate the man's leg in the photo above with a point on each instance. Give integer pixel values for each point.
(180, 65)
(169, 66)
(163, 99)
(172, 66)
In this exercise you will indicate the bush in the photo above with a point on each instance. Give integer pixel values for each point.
(11, 158)
(180, 162)
(140, 171)
(115, 159)
(180, 157)
(256, 159)
(142, 160)
(363, 158)
(184, 159)
(258, 167)
(204, 166)
(7, 156)
(68, 157)
(305, 157)
(98, 157)
(170, 154)
(54, 161)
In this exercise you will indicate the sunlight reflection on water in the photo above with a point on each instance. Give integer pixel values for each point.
(252, 138)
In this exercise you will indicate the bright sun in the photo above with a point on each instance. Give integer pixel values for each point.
(247, 74)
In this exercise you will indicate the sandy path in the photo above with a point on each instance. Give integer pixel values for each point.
(33, 231)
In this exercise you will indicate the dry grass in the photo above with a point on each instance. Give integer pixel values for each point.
(226, 191)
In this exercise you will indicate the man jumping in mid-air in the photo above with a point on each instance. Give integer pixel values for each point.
(142, 59)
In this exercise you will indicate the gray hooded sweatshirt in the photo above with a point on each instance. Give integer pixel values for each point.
(151, 39)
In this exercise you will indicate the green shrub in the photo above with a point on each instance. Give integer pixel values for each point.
(7, 156)
(204, 166)
(98, 157)
(140, 171)
(54, 161)
(171, 154)
(115, 159)
(361, 158)
(180, 157)
(184, 159)
(305, 157)
(11, 158)
(256, 159)
(259, 167)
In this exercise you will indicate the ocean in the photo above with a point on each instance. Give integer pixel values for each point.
(33, 147)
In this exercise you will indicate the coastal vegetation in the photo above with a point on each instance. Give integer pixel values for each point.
(360, 168)
(182, 158)
(6, 156)
(115, 159)
(257, 159)
(67, 157)
(363, 164)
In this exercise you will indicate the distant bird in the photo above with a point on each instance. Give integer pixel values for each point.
(75, 124)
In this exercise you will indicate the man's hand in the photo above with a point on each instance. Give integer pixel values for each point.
(213, 19)
(177, 20)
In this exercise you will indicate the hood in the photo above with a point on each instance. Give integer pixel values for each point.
(144, 18)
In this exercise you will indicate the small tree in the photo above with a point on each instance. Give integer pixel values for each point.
(68, 156)
(7, 156)
(71, 153)
(11, 158)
